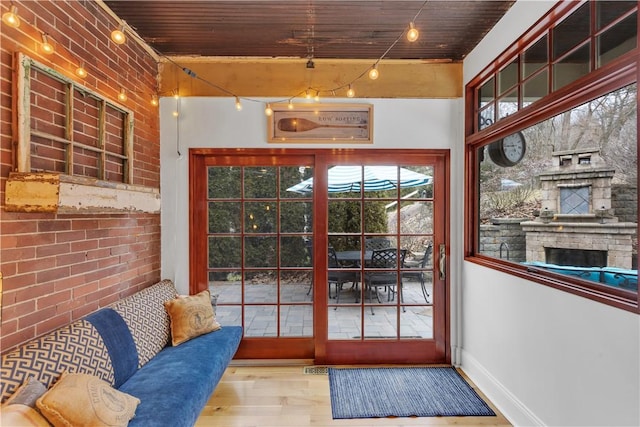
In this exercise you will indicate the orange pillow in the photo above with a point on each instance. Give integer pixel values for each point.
(191, 316)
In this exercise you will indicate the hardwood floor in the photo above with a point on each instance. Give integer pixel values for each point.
(282, 396)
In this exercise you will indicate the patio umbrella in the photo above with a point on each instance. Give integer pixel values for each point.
(344, 179)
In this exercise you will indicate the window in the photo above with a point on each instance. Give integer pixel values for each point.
(610, 26)
(71, 130)
(556, 198)
(259, 262)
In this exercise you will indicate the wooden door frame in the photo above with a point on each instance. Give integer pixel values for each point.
(376, 351)
(318, 347)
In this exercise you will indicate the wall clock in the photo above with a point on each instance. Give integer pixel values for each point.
(508, 151)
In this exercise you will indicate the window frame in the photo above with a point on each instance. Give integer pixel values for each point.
(615, 74)
(24, 103)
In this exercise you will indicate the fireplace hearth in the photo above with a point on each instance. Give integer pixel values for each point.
(576, 225)
(576, 257)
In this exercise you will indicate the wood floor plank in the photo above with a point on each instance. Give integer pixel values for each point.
(283, 396)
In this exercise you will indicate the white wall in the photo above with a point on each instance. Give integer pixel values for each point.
(545, 357)
(214, 122)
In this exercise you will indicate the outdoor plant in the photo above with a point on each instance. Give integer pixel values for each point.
(518, 202)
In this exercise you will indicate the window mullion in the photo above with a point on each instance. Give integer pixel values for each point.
(127, 139)
(69, 130)
(102, 163)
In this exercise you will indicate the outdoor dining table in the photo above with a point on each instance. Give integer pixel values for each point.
(353, 257)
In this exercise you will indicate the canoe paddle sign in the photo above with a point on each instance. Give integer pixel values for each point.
(298, 124)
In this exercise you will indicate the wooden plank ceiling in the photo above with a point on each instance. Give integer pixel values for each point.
(334, 31)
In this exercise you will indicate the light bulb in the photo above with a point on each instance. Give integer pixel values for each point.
(317, 97)
(373, 73)
(351, 93)
(238, 104)
(46, 46)
(290, 105)
(81, 72)
(154, 100)
(118, 35)
(307, 95)
(122, 96)
(11, 18)
(412, 33)
(268, 111)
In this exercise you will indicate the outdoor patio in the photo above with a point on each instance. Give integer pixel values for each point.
(296, 311)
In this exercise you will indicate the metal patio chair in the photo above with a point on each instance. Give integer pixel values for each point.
(416, 269)
(387, 262)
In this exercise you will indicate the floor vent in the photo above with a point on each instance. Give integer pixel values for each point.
(316, 370)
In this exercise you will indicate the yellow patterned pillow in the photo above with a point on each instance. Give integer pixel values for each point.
(82, 400)
(191, 316)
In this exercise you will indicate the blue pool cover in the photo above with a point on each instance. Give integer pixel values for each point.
(612, 276)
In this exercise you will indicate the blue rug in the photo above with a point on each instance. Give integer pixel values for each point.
(402, 392)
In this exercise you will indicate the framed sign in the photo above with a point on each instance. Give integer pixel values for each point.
(351, 123)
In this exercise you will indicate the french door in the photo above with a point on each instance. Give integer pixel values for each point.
(288, 240)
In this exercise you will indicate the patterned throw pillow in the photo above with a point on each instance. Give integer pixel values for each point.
(27, 393)
(191, 316)
(19, 408)
(82, 400)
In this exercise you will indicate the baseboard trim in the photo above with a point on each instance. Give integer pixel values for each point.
(271, 362)
(508, 404)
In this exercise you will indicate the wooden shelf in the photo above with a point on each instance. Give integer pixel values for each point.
(58, 193)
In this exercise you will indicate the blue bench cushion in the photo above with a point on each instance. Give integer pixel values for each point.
(119, 343)
(176, 384)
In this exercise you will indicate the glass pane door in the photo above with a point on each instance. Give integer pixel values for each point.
(382, 236)
(258, 259)
(385, 297)
(325, 260)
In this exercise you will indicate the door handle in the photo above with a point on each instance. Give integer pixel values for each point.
(442, 267)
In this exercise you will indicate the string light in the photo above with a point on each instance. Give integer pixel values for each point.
(46, 46)
(374, 73)
(81, 72)
(350, 92)
(11, 17)
(413, 33)
(118, 35)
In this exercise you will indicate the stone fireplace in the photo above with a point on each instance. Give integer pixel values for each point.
(576, 225)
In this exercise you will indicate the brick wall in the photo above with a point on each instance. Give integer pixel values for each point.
(504, 238)
(58, 268)
(624, 202)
